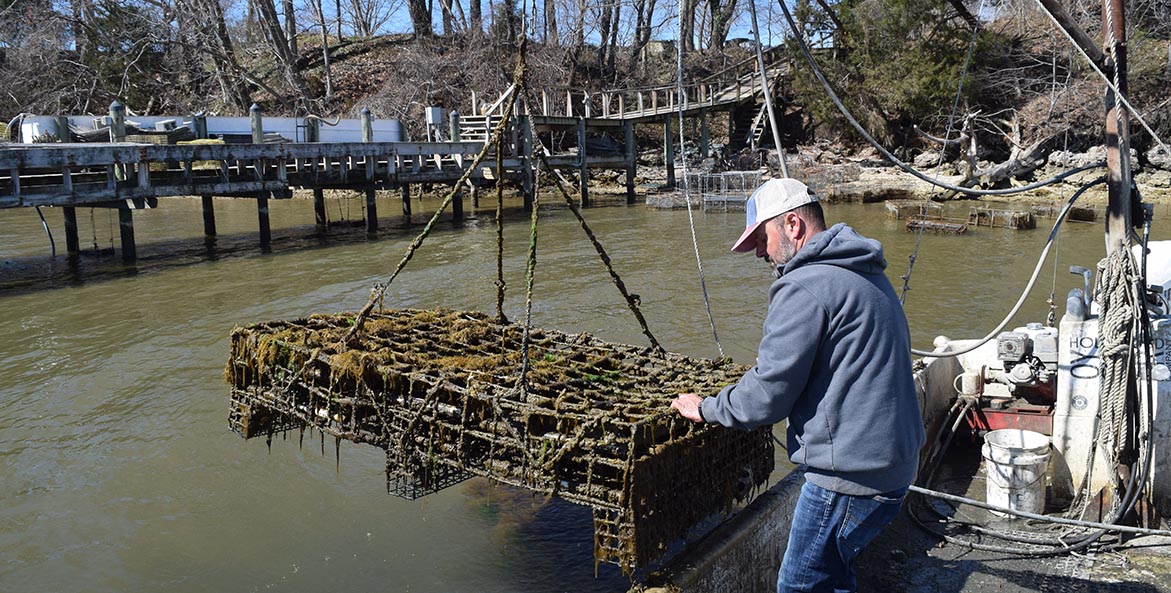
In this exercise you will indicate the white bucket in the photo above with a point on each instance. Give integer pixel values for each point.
(1016, 462)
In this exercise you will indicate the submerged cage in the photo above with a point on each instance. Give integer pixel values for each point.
(725, 191)
(441, 393)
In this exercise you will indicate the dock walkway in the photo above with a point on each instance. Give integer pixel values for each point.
(363, 155)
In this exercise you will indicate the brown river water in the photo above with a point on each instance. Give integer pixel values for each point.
(118, 472)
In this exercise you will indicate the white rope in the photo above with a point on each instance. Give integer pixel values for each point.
(1116, 330)
(681, 98)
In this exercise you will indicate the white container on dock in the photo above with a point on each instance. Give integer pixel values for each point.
(1016, 462)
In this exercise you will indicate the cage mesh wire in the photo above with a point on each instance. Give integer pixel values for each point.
(439, 391)
(725, 191)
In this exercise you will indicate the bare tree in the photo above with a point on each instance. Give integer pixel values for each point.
(551, 37)
(290, 26)
(420, 13)
(319, 12)
(606, 21)
(217, 43)
(721, 13)
(369, 16)
(476, 17)
(281, 47)
(687, 25)
(644, 15)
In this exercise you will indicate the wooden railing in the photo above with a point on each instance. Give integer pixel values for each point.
(737, 83)
(76, 174)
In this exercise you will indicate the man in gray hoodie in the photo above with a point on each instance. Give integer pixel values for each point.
(835, 361)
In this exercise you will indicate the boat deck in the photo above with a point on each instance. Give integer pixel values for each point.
(906, 559)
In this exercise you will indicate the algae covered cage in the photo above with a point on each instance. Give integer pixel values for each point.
(438, 391)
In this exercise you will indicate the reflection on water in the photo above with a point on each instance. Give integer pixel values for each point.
(117, 469)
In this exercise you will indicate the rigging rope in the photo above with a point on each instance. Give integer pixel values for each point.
(530, 264)
(955, 107)
(687, 191)
(380, 289)
(1116, 335)
(631, 300)
(500, 285)
(798, 36)
(767, 90)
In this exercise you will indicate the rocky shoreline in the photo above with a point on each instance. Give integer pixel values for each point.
(866, 178)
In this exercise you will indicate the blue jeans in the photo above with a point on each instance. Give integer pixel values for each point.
(829, 530)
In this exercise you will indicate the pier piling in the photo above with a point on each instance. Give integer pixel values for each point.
(208, 216)
(126, 231)
(669, 151)
(631, 156)
(583, 169)
(371, 202)
(72, 244)
(262, 219)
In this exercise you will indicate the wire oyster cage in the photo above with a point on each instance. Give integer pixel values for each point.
(440, 392)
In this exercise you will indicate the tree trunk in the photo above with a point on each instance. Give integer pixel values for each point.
(687, 25)
(721, 19)
(604, 24)
(509, 9)
(610, 55)
(363, 23)
(644, 11)
(420, 18)
(291, 27)
(223, 54)
(271, 26)
(476, 16)
(551, 37)
(83, 16)
(320, 14)
(448, 26)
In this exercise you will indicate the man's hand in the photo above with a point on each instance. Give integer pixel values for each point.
(687, 404)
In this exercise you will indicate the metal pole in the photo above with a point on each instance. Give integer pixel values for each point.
(768, 99)
(1118, 219)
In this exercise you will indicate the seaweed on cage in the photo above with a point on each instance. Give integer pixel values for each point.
(441, 393)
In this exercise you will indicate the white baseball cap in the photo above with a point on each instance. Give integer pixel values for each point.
(774, 198)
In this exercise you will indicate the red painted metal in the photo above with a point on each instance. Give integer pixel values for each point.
(1020, 415)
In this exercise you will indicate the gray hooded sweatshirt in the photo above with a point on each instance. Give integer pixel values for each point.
(834, 360)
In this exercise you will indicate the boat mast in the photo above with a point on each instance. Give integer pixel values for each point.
(1118, 210)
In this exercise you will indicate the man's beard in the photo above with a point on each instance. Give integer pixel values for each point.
(788, 252)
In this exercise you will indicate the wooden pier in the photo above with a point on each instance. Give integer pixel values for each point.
(132, 175)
